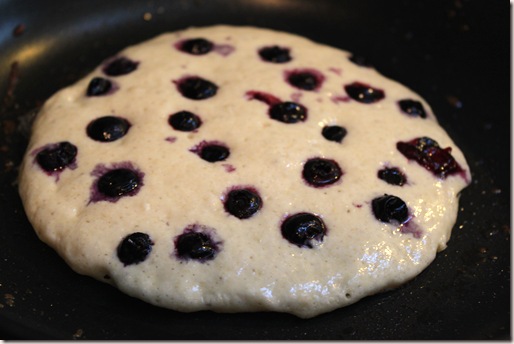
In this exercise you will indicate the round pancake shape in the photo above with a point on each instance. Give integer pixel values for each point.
(239, 169)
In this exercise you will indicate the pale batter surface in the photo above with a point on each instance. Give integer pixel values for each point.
(262, 102)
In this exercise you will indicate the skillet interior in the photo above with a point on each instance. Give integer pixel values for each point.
(455, 54)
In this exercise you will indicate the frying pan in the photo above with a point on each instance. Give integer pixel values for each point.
(454, 53)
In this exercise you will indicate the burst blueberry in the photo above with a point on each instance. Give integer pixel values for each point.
(197, 88)
(98, 87)
(364, 93)
(288, 112)
(275, 54)
(119, 182)
(427, 153)
(243, 203)
(120, 66)
(334, 133)
(412, 108)
(56, 157)
(196, 46)
(184, 121)
(392, 175)
(303, 229)
(134, 248)
(390, 209)
(319, 172)
(108, 128)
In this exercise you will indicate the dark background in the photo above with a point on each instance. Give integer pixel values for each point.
(456, 54)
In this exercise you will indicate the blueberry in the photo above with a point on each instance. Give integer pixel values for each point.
(302, 229)
(214, 152)
(184, 121)
(196, 46)
(334, 133)
(120, 66)
(392, 176)
(390, 209)
(243, 203)
(275, 54)
(98, 86)
(197, 88)
(57, 156)
(134, 248)
(364, 93)
(196, 245)
(320, 172)
(119, 182)
(288, 112)
(426, 152)
(412, 108)
(305, 79)
(108, 128)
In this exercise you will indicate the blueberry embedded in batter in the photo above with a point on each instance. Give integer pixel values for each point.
(275, 54)
(120, 66)
(304, 230)
(134, 248)
(185, 121)
(55, 157)
(108, 128)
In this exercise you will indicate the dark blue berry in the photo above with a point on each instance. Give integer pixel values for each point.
(108, 128)
(334, 133)
(196, 46)
(196, 245)
(364, 93)
(119, 182)
(426, 152)
(288, 112)
(390, 209)
(305, 79)
(134, 248)
(214, 152)
(412, 108)
(197, 88)
(303, 229)
(184, 121)
(392, 176)
(320, 172)
(243, 203)
(275, 54)
(120, 66)
(98, 86)
(57, 156)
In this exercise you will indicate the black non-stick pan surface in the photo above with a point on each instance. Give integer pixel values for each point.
(455, 53)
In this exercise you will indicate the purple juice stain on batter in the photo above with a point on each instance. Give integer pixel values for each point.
(264, 97)
(336, 70)
(410, 227)
(224, 49)
(229, 168)
(115, 181)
